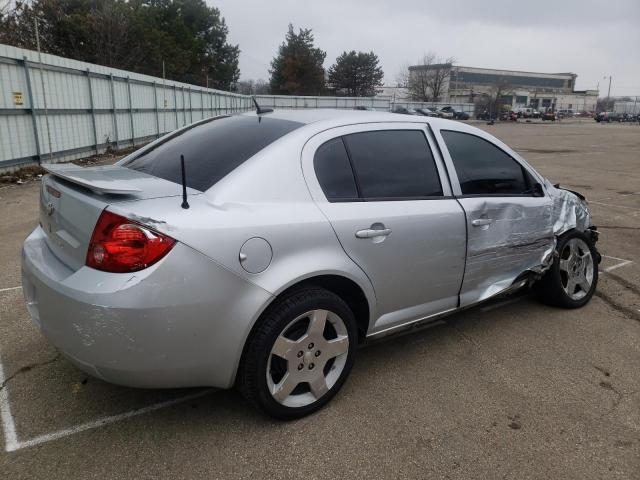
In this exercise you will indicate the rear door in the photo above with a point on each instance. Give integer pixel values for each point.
(508, 220)
(390, 204)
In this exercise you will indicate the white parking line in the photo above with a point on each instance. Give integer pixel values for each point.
(12, 443)
(48, 437)
(10, 289)
(622, 263)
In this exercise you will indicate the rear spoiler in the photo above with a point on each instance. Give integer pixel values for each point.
(108, 179)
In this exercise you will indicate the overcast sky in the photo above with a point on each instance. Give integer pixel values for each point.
(592, 38)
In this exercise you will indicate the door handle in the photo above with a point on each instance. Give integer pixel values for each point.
(479, 222)
(371, 233)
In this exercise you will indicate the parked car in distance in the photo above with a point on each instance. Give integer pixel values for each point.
(549, 115)
(565, 113)
(451, 112)
(404, 110)
(259, 250)
(527, 112)
(427, 112)
(509, 116)
(608, 117)
(486, 115)
(446, 112)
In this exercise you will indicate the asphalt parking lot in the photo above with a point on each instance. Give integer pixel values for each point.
(510, 390)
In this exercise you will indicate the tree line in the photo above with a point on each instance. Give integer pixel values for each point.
(189, 37)
(186, 40)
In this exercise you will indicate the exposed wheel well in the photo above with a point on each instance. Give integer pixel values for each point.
(346, 289)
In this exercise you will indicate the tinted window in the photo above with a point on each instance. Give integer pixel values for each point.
(211, 149)
(482, 167)
(333, 170)
(393, 164)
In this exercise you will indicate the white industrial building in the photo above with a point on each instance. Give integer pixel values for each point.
(517, 89)
(627, 106)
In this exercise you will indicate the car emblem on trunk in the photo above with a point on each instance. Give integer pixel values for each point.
(50, 208)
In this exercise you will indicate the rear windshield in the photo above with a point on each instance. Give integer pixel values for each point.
(211, 149)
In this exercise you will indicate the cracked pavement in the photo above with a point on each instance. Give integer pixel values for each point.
(516, 390)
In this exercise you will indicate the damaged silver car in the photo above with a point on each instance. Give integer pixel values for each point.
(259, 250)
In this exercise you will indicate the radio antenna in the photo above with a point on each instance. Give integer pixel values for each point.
(185, 204)
(260, 110)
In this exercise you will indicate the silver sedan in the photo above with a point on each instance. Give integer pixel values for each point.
(261, 249)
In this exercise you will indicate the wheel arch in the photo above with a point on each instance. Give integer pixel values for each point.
(354, 294)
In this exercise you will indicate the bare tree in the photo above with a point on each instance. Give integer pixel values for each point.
(493, 101)
(427, 81)
(402, 77)
(261, 87)
(440, 76)
(4, 7)
(251, 87)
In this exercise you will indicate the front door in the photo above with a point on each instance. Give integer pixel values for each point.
(508, 216)
(390, 205)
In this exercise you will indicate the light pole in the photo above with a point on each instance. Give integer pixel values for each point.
(608, 92)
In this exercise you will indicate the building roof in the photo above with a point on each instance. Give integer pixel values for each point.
(477, 69)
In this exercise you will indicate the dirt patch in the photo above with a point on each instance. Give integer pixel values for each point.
(107, 158)
(34, 172)
(23, 175)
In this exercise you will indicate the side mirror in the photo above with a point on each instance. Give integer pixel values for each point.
(538, 191)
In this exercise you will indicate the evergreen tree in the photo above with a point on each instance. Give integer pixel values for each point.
(136, 35)
(356, 74)
(297, 69)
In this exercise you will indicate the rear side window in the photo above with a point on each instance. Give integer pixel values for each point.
(483, 168)
(393, 165)
(211, 149)
(334, 173)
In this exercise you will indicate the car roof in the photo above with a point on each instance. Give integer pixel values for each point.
(314, 115)
(319, 119)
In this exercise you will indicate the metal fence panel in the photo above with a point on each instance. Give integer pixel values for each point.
(90, 108)
(382, 103)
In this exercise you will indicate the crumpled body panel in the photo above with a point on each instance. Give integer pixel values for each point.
(521, 237)
(569, 210)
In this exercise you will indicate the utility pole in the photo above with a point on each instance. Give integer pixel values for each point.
(609, 92)
(164, 100)
(44, 93)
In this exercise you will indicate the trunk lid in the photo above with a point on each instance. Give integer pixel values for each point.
(72, 199)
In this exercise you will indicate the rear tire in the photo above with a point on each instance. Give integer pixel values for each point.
(299, 355)
(572, 279)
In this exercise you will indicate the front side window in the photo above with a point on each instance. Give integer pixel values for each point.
(483, 168)
(393, 165)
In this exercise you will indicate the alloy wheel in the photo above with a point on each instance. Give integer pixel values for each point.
(307, 358)
(576, 268)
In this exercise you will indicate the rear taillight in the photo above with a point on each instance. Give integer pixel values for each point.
(120, 245)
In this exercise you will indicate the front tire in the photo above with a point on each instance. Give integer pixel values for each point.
(299, 355)
(572, 279)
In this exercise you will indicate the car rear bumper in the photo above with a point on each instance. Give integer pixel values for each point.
(179, 323)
